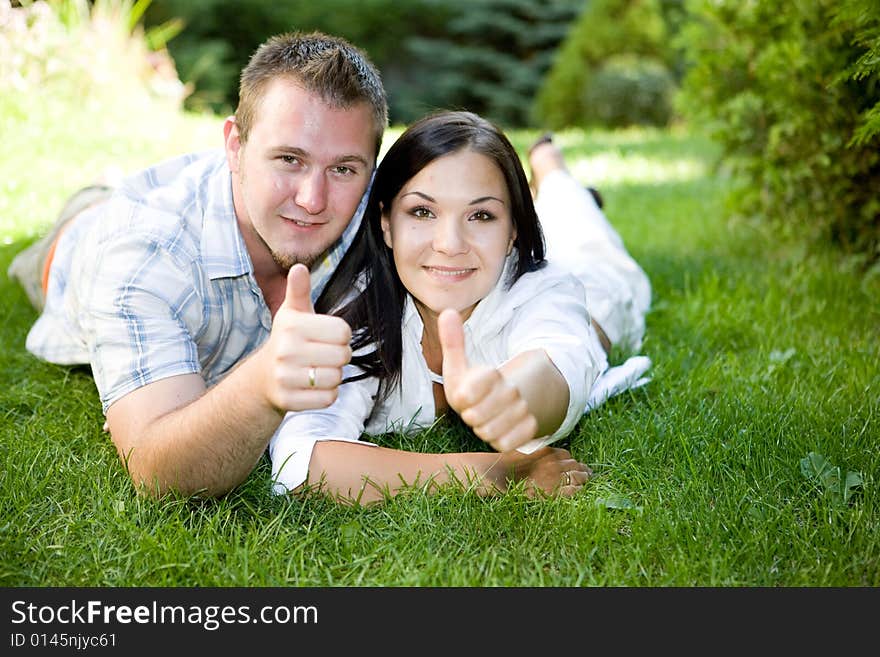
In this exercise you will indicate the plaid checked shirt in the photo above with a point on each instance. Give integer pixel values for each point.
(157, 282)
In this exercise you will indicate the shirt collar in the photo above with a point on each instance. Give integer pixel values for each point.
(223, 249)
(485, 315)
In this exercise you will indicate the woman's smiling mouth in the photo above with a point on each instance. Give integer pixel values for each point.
(449, 273)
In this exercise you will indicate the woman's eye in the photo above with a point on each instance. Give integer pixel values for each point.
(482, 215)
(421, 213)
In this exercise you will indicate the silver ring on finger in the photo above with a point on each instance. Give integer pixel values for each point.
(312, 377)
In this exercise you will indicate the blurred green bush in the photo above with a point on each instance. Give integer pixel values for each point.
(792, 91)
(616, 67)
(629, 90)
(490, 56)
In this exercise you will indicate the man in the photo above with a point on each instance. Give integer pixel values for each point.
(188, 289)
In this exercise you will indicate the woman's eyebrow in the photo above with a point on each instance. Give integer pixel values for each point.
(476, 201)
(483, 199)
(422, 195)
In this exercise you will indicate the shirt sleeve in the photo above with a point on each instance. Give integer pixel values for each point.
(290, 449)
(139, 313)
(557, 321)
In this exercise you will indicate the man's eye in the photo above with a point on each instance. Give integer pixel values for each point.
(290, 159)
(343, 170)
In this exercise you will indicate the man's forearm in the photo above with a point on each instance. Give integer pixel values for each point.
(174, 434)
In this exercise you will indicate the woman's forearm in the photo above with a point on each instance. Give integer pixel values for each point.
(362, 473)
(541, 385)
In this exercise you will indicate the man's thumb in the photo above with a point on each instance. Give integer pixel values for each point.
(299, 290)
(452, 343)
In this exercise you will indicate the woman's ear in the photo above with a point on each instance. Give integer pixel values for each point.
(386, 226)
(511, 241)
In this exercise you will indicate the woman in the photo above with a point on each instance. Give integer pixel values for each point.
(455, 307)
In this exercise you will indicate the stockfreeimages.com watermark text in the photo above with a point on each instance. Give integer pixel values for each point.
(209, 617)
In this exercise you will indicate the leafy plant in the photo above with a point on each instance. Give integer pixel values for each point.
(490, 57)
(617, 501)
(73, 49)
(818, 469)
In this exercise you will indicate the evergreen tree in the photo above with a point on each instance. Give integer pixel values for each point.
(489, 57)
(863, 18)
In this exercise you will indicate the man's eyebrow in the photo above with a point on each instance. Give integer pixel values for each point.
(291, 150)
(354, 158)
(299, 152)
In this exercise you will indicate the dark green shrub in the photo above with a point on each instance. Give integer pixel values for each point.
(605, 31)
(629, 90)
(791, 92)
(862, 17)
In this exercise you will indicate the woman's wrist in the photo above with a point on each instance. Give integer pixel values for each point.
(485, 472)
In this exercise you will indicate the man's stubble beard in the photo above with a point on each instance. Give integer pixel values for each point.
(286, 260)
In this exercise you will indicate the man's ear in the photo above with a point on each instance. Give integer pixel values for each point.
(386, 226)
(232, 141)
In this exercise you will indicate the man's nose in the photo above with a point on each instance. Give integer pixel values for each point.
(311, 195)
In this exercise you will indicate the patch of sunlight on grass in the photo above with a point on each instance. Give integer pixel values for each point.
(613, 168)
(636, 155)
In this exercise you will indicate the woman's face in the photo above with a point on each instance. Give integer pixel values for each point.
(449, 229)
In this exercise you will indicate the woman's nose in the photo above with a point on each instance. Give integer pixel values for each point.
(449, 237)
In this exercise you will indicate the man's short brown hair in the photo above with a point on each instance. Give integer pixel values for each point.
(330, 67)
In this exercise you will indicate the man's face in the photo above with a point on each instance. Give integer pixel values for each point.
(297, 180)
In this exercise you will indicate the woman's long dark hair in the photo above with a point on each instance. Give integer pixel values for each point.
(376, 314)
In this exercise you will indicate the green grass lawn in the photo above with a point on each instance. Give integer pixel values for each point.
(764, 352)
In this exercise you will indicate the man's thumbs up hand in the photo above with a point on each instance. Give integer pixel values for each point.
(299, 290)
(493, 408)
(305, 352)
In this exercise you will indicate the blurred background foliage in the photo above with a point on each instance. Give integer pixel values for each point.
(486, 55)
(617, 67)
(790, 91)
(519, 62)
